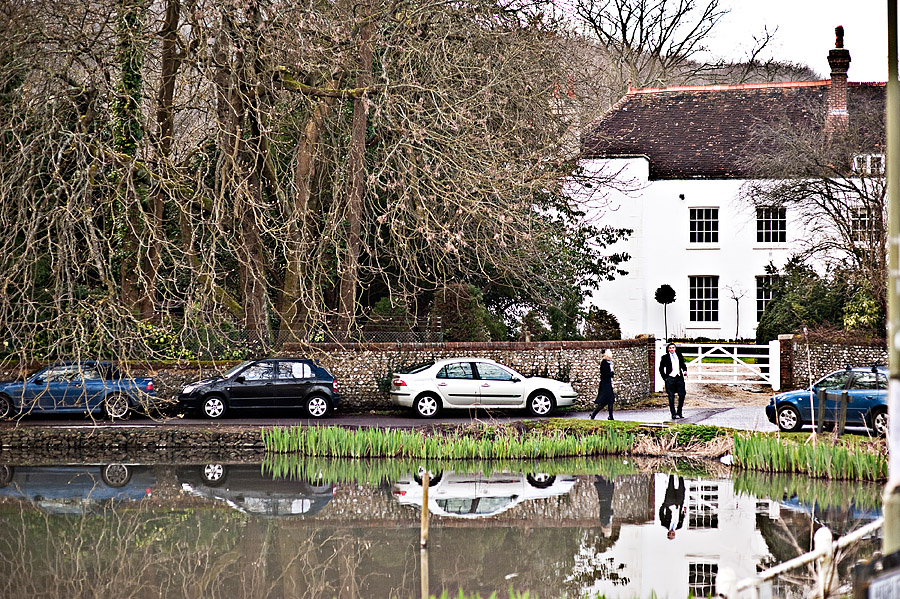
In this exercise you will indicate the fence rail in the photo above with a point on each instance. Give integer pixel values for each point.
(823, 554)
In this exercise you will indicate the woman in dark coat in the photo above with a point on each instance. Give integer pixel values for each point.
(605, 394)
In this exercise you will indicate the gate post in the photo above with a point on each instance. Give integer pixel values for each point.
(775, 364)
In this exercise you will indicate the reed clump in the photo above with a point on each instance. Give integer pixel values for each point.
(820, 458)
(488, 443)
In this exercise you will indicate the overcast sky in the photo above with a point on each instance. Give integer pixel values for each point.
(806, 32)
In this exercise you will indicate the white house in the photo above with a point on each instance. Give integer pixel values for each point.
(678, 151)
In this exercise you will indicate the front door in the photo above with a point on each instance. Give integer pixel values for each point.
(834, 385)
(254, 386)
(499, 387)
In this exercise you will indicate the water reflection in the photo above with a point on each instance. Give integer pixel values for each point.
(479, 495)
(246, 488)
(563, 529)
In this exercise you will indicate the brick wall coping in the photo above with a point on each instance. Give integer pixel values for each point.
(463, 346)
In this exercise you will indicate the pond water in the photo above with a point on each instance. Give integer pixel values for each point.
(315, 528)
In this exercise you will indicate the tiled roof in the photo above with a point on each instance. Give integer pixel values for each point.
(704, 131)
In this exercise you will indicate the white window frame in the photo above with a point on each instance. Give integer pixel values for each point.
(771, 222)
(869, 164)
(703, 224)
(763, 293)
(704, 298)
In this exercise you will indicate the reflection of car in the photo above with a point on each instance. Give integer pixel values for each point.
(476, 383)
(246, 488)
(76, 489)
(864, 388)
(86, 386)
(267, 384)
(464, 495)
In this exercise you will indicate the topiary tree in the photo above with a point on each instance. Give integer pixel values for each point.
(665, 295)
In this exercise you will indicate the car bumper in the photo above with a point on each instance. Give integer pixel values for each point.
(566, 400)
(404, 400)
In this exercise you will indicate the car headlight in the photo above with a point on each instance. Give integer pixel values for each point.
(190, 388)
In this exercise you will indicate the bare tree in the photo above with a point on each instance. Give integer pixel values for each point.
(833, 183)
(175, 169)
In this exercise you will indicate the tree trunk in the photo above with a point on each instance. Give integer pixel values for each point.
(357, 180)
(293, 307)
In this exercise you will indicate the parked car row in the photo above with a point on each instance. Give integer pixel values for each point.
(279, 384)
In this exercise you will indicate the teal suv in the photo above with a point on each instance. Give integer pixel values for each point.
(864, 389)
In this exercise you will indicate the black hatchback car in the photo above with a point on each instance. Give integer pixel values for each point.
(272, 383)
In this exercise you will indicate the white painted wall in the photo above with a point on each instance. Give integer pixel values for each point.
(662, 254)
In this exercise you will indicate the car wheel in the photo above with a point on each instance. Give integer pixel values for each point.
(116, 407)
(6, 475)
(789, 419)
(427, 405)
(214, 406)
(116, 475)
(317, 406)
(6, 407)
(879, 422)
(213, 474)
(540, 403)
(540, 480)
(433, 477)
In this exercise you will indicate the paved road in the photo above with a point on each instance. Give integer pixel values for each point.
(744, 418)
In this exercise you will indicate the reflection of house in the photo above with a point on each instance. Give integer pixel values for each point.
(684, 150)
(720, 532)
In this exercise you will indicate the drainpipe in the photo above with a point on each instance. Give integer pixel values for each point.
(891, 542)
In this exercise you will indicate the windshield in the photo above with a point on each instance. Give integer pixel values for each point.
(234, 369)
(415, 369)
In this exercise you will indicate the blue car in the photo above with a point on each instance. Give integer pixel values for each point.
(79, 387)
(865, 390)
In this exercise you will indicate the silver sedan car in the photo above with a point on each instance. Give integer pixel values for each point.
(476, 383)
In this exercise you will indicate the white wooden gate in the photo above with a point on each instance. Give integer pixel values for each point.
(729, 363)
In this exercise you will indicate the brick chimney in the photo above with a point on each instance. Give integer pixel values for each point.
(837, 116)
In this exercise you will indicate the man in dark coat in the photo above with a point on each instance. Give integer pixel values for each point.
(673, 370)
(672, 510)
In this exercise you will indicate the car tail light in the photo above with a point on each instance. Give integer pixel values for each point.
(334, 385)
(399, 383)
(399, 493)
(150, 386)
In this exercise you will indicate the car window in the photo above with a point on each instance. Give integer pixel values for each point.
(60, 374)
(456, 370)
(492, 372)
(262, 371)
(869, 380)
(835, 380)
(294, 370)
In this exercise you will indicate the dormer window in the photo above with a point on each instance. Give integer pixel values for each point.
(869, 164)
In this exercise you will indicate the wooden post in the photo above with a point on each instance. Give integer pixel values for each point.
(822, 397)
(423, 536)
(826, 573)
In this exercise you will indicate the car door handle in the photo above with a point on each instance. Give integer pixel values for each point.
(485, 384)
(442, 384)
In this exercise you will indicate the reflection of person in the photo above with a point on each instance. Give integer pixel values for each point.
(673, 370)
(672, 510)
(605, 394)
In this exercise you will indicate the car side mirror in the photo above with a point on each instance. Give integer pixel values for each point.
(39, 381)
(239, 379)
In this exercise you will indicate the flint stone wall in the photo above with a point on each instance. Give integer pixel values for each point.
(359, 367)
(824, 356)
